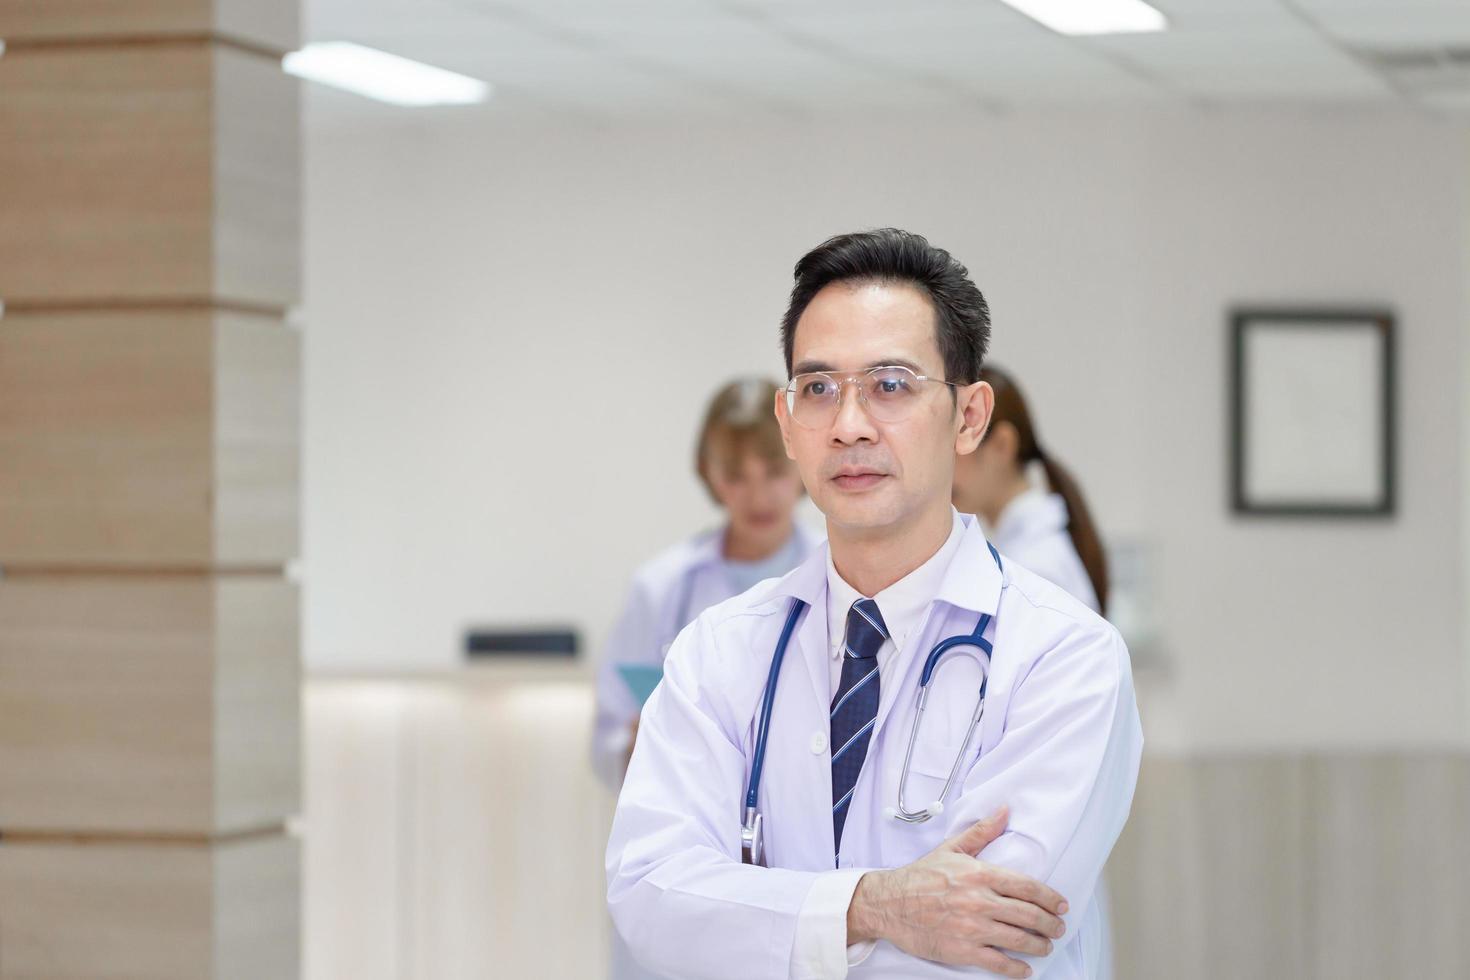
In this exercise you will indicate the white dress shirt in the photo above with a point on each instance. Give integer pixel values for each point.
(821, 948)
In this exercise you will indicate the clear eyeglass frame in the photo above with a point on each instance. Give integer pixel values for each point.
(888, 393)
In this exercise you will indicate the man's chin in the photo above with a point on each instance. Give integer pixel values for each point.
(856, 512)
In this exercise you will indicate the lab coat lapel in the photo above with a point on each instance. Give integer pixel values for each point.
(811, 639)
(895, 680)
(971, 585)
(976, 585)
(798, 806)
(973, 581)
(808, 582)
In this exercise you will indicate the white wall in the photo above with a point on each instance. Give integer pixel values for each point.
(510, 333)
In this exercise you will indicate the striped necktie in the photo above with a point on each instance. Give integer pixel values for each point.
(855, 708)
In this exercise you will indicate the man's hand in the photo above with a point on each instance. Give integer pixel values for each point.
(950, 907)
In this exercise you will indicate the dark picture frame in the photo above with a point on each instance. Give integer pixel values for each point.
(1312, 412)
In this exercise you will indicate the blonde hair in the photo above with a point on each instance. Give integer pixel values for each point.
(740, 419)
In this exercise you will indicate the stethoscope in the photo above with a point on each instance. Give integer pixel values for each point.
(752, 836)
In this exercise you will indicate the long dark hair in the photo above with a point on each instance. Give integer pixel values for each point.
(1010, 406)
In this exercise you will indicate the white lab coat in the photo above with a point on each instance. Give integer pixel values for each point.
(668, 592)
(1032, 529)
(1059, 743)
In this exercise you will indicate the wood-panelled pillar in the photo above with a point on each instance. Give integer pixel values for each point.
(149, 445)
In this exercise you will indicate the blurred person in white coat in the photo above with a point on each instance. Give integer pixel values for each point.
(1038, 518)
(740, 460)
(763, 828)
(1034, 512)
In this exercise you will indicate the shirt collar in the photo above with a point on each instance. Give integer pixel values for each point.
(902, 604)
(970, 581)
(974, 579)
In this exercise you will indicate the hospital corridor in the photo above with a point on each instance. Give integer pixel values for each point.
(733, 489)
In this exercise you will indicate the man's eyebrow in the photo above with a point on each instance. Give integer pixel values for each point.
(822, 367)
(812, 367)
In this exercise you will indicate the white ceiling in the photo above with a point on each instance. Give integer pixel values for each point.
(613, 59)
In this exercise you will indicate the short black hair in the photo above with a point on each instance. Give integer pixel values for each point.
(892, 256)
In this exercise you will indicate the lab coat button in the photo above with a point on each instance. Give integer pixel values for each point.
(819, 743)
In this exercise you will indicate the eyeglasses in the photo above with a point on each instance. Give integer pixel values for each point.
(888, 394)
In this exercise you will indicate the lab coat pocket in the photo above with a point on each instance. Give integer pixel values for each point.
(929, 768)
(934, 758)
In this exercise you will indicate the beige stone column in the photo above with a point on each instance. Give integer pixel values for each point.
(149, 442)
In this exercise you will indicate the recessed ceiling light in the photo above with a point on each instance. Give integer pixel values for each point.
(1092, 16)
(382, 76)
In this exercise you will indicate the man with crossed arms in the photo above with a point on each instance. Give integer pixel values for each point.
(884, 339)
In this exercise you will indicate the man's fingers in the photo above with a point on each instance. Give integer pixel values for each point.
(976, 837)
(997, 962)
(1013, 885)
(1033, 918)
(1016, 940)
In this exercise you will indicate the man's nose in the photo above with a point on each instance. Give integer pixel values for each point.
(852, 423)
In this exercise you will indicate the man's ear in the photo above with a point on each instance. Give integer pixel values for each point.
(975, 404)
(784, 420)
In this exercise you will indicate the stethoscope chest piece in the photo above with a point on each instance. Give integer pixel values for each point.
(752, 839)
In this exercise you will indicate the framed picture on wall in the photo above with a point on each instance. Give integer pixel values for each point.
(1312, 412)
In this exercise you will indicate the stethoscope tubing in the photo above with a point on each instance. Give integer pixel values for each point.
(751, 825)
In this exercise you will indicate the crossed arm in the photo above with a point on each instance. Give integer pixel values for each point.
(1065, 770)
(951, 907)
